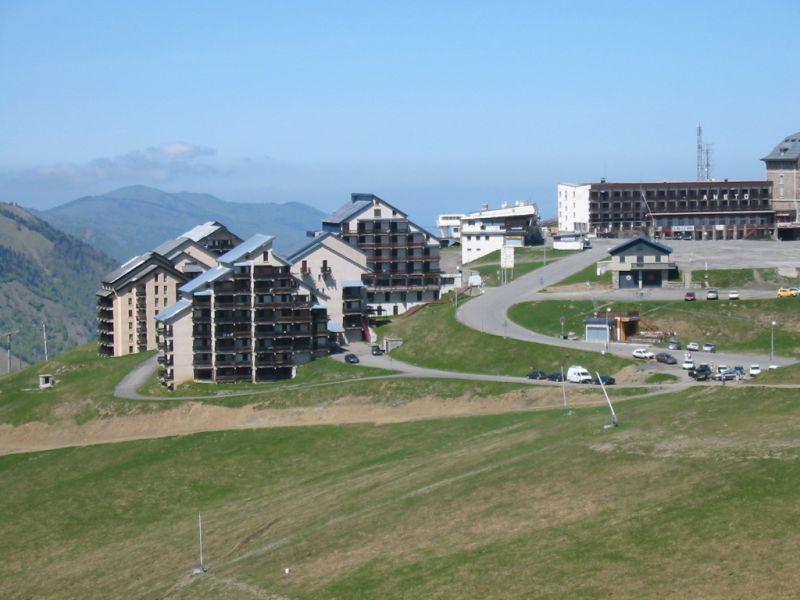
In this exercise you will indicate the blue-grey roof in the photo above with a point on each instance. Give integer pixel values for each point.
(166, 248)
(174, 310)
(352, 283)
(202, 231)
(247, 247)
(788, 149)
(335, 327)
(347, 211)
(646, 240)
(200, 281)
(599, 321)
(305, 248)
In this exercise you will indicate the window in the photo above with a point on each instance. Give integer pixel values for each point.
(130, 324)
(130, 337)
(377, 212)
(386, 297)
(130, 314)
(156, 311)
(165, 302)
(130, 301)
(156, 301)
(130, 349)
(165, 290)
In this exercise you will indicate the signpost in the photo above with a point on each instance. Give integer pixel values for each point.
(563, 320)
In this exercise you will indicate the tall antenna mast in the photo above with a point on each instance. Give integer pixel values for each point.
(202, 568)
(700, 154)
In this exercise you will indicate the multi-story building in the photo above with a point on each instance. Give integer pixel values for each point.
(334, 269)
(133, 294)
(688, 210)
(246, 319)
(449, 226)
(488, 230)
(783, 171)
(402, 256)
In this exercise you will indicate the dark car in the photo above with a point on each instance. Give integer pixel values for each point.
(674, 345)
(605, 379)
(700, 373)
(690, 297)
(666, 358)
(555, 376)
(538, 375)
(376, 350)
(351, 358)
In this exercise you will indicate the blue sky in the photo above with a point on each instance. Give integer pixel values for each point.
(435, 106)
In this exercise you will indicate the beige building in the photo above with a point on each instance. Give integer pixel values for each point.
(131, 296)
(783, 170)
(334, 269)
(403, 257)
(639, 263)
(246, 319)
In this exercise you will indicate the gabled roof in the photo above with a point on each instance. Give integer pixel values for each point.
(306, 248)
(139, 266)
(202, 231)
(619, 248)
(245, 250)
(174, 310)
(347, 212)
(318, 242)
(200, 281)
(788, 149)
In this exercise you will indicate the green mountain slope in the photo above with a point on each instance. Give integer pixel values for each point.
(46, 276)
(131, 220)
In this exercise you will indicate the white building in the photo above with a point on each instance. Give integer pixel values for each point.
(573, 206)
(488, 230)
(449, 226)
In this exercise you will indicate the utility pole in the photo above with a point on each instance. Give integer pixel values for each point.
(8, 335)
(44, 338)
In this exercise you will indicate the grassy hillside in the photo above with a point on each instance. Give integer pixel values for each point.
(132, 220)
(741, 326)
(433, 338)
(694, 496)
(45, 276)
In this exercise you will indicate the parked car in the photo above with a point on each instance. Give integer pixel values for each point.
(643, 353)
(376, 350)
(689, 297)
(606, 379)
(687, 364)
(674, 345)
(351, 359)
(692, 346)
(666, 358)
(555, 376)
(578, 374)
(786, 293)
(712, 294)
(700, 373)
(726, 374)
(709, 347)
(733, 295)
(755, 370)
(538, 375)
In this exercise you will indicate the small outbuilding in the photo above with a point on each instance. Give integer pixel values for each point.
(46, 381)
(640, 263)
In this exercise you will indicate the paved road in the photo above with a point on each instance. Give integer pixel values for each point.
(487, 312)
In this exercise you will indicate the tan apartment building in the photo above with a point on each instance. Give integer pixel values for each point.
(335, 270)
(132, 295)
(403, 257)
(246, 319)
(783, 171)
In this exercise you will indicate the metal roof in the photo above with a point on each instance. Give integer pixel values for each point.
(104, 293)
(174, 310)
(347, 211)
(198, 282)
(127, 267)
(352, 283)
(249, 246)
(788, 149)
(201, 231)
(304, 249)
(335, 327)
(166, 248)
(620, 247)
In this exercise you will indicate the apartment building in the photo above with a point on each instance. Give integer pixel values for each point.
(701, 210)
(403, 258)
(334, 269)
(783, 171)
(133, 294)
(488, 230)
(246, 319)
(214, 237)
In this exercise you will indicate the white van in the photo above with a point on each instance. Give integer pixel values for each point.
(577, 374)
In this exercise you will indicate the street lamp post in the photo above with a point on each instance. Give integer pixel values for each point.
(772, 341)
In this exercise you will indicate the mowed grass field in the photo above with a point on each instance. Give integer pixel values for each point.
(738, 326)
(695, 495)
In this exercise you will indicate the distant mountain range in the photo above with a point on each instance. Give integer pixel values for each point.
(46, 276)
(131, 220)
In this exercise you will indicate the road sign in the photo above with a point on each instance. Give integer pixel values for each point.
(563, 320)
(507, 257)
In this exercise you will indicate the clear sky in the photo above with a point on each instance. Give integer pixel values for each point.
(435, 106)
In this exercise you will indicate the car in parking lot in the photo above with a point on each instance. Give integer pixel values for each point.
(674, 345)
(351, 359)
(642, 353)
(538, 375)
(712, 294)
(605, 379)
(733, 295)
(376, 350)
(666, 358)
(755, 370)
(709, 347)
(556, 376)
(786, 293)
(687, 364)
(700, 373)
(724, 374)
(689, 297)
(692, 346)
